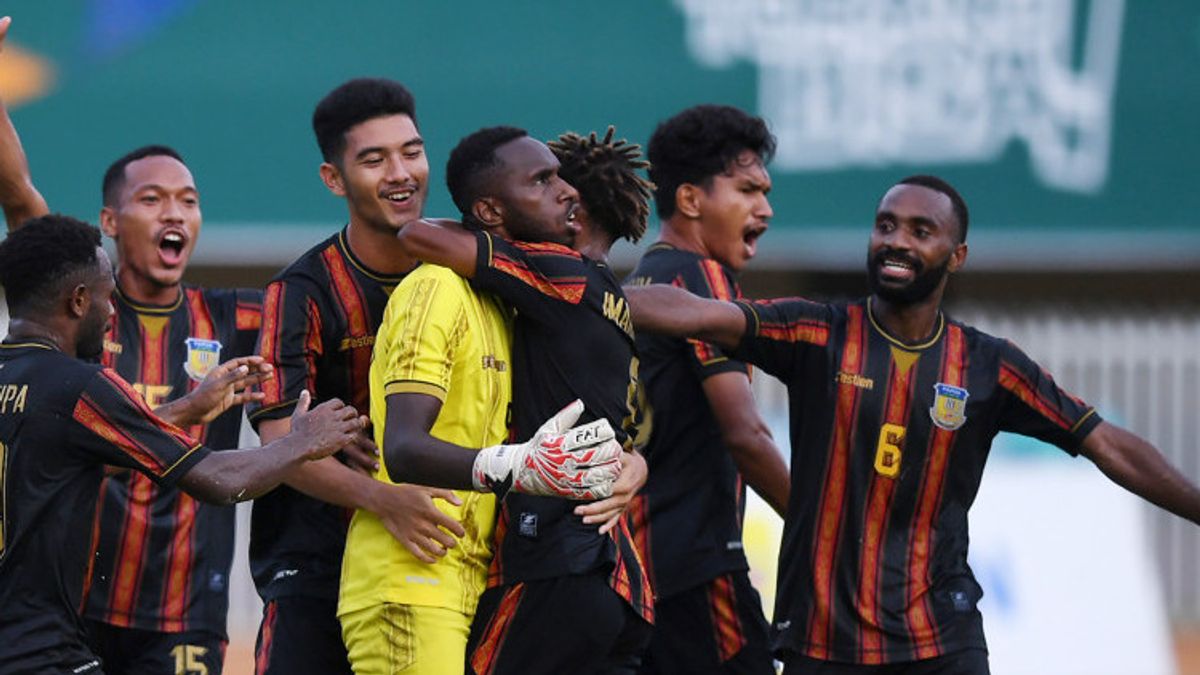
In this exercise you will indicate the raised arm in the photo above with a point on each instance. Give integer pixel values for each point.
(1137, 466)
(237, 475)
(18, 197)
(441, 242)
(667, 310)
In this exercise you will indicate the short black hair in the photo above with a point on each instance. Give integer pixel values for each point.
(473, 155)
(41, 257)
(352, 103)
(605, 174)
(956, 200)
(699, 143)
(114, 176)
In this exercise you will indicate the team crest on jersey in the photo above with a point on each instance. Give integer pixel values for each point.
(202, 357)
(949, 409)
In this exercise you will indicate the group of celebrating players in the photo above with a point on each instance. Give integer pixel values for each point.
(514, 463)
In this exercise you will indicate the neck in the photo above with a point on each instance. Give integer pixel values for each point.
(24, 329)
(909, 322)
(379, 250)
(684, 234)
(145, 291)
(594, 245)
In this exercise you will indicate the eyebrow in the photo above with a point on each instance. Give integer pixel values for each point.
(918, 220)
(413, 142)
(162, 188)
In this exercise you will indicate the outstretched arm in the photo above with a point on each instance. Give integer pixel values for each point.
(18, 197)
(668, 310)
(441, 242)
(237, 475)
(1137, 466)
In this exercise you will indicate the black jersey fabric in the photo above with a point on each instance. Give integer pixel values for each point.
(572, 338)
(61, 421)
(694, 499)
(320, 315)
(889, 441)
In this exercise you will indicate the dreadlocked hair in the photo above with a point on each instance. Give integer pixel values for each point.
(604, 172)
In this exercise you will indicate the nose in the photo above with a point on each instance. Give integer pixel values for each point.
(569, 193)
(172, 212)
(764, 210)
(397, 170)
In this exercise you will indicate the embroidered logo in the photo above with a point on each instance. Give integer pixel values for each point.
(202, 357)
(949, 409)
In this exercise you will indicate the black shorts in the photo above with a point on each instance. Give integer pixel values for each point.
(572, 624)
(717, 628)
(966, 662)
(138, 652)
(300, 635)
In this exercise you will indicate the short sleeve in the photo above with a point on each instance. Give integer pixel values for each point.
(116, 426)
(425, 319)
(538, 279)
(709, 279)
(290, 339)
(779, 332)
(248, 312)
(1036, 406)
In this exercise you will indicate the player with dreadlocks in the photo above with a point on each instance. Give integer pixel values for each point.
(562, 596)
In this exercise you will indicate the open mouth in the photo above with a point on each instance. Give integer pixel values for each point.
(171, 246)
(750, 239)
(897, 268)
(401, 196)
(573, 223)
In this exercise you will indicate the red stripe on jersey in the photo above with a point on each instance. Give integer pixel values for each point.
(879, 502)
(496, 568)
(108, 359)
(1015, 382)
(354, 308)
(567, 289)
(180, 562)
(639, 508)
(727, 625)
(833, 491)
(131, 552)
(629, 578)
(485, 656)
(248, 316)
(200, 325)
(920, 624)
(91, 566)
(178, 435)
(312, 344)
(804, 330)
(266, 639)
(546, 248)
(269, 340)
(93, 418)
(714, 277)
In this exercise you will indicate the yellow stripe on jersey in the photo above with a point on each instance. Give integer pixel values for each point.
(438, 337)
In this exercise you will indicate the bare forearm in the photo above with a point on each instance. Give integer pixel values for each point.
(18, 196)
(177, 412)
(424, 460)
(667, 310)
(331, 481)
(231, 476)
(447, 245)
(761, 464)
(1140, 468)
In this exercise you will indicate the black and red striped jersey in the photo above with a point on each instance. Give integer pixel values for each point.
(694, 499)
(320, 315)
(61, 421)
(889, 441)
(162, 558)
(572, 339)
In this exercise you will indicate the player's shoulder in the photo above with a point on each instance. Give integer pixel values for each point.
(310, 266)
(430, 287)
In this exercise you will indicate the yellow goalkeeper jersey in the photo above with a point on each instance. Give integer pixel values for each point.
(438, 337)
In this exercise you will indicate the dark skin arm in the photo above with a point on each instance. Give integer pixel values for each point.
(412, 455)
(18, 197)
(441, 242)
(667, 310)
(236, 475)
(1136, 465)
(748, 438)
(226, 386)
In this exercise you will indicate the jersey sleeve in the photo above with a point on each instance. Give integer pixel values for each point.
(709, 279)
(1036, 406)
(539, 280)
(115, 425)
(779, 332)
(425, 320)
(290, 339)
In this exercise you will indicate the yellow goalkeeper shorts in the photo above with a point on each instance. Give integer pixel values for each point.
(390, 638)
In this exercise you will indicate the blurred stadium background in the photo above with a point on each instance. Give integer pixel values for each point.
(1070, 127)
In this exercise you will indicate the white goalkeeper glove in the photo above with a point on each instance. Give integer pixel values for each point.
(575, 463)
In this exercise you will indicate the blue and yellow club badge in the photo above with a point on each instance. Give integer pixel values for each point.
(949, 409)
(202, 357)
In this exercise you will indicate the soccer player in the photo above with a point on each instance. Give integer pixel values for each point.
(709, 167)
(562, 597)
(893, 409)
(159, 594)
(62, 420)
(320, 316)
